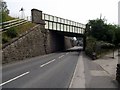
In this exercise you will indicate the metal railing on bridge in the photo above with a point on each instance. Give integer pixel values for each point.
(60, 24)
(12, 23)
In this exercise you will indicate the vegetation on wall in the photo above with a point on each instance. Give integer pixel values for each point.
(14, 31)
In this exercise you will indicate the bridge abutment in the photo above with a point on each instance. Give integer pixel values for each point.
(35, 42)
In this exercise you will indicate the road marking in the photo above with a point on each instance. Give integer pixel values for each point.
(47, 63)
(78, 79)
(67, 53)
(61, 56)
(14, 78)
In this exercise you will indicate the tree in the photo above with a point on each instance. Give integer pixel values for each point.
(4, 7)
(4, 12)
(117, 34)
(96, 28)
(103, 32)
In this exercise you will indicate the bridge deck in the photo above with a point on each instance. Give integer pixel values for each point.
(60, 24)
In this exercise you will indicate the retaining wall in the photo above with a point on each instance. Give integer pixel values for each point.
(36, 42)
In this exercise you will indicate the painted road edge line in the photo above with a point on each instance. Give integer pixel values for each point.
(61, 56)
(47, 63)
(78, 79)
(67, 53)
(14, 78)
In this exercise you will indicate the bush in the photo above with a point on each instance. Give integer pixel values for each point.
(5, 38)
(105, 45)
(90, 46)
(97, 47)
(11, 33)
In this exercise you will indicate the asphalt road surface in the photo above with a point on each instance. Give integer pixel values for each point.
(49, 71)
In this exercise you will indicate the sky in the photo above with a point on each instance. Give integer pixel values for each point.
(75, 10)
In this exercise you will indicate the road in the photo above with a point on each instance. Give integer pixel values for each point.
(49, 71)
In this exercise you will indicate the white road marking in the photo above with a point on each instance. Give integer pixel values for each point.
(78, 80)
(67, 53)
(47, 63)
(14, 78)
(61, 56)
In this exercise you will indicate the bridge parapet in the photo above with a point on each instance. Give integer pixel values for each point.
(60, 24)
(57, 23)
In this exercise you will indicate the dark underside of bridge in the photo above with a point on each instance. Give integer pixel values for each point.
(69, 34)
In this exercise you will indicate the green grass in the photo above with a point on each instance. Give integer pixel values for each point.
(24, 27)
(6, 17)
(16, 31)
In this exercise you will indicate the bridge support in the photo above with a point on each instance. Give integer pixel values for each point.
(84, 39)
(84, 42)
(37, 16)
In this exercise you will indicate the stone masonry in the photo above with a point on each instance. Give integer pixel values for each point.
(37, 41)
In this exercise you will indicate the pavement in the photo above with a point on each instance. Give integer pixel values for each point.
(109, 64)
(100, 73)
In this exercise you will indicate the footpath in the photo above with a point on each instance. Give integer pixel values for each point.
(100, 73)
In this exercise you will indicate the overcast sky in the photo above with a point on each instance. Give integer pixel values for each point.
(76, 10)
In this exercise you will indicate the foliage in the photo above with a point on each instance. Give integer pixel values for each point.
(117, 35)
(5, 12)
(5, 38)
(97, 29)
(101, 37)
(103, 32)
(11, 32)
(16, 31)
(90, 45)
(99, 47)
(4, 7)
(6, 17)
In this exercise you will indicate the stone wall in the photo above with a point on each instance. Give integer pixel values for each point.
(55, 42)
(37, 42)
(68, 43)
(29, 45)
